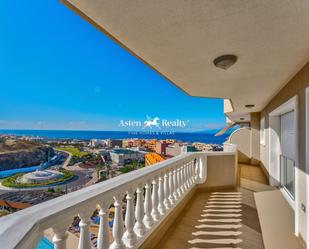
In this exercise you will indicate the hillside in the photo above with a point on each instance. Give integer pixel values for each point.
(20, 154)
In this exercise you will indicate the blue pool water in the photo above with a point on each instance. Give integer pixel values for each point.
(9, 172)
(45, 244)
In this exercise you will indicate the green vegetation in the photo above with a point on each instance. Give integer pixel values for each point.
(77, 154)
(4, 212)
(13, 183)
(74, 151)
(130, 167)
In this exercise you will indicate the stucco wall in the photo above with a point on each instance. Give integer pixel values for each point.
(221, 171)
(296, 87)
(242, 137)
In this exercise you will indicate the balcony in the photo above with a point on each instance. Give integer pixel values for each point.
(146, 203)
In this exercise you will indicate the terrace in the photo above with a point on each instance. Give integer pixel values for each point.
(254, 194)
(153, 196)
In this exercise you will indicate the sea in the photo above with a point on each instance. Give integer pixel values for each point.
(205, 137)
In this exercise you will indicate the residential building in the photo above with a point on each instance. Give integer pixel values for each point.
(161, 147)
(98, 143)
(122, 156)
(254, 194)
(151, 144)
(153, 158)
(176, 149)
(112, 143)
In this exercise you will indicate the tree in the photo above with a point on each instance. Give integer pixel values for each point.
(98, 168)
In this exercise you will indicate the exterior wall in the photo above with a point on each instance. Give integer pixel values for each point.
(248, 141)
(161, 147)
(174, 150)
(113, 142)
(221, 172)
(255, 138)
(295, 87)
(120, 158)
(242, 137)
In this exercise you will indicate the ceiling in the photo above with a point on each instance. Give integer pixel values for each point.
(181, 38)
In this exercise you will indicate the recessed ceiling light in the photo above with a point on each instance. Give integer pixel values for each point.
(225, 61)
(249, 106)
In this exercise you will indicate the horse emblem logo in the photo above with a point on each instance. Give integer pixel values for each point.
(149, 123)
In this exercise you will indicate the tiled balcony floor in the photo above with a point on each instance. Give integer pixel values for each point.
(225, 219)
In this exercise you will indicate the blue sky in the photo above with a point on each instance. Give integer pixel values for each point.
(59, 72)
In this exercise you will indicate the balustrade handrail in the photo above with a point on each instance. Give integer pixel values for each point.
(17, 229)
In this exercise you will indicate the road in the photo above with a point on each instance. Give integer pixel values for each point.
(67, 161)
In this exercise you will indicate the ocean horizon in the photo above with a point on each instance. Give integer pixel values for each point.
(203, 137)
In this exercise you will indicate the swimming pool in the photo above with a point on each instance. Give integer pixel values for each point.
(45, 244)
(10, 172)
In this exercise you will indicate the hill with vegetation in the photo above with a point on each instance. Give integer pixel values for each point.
(21, 153)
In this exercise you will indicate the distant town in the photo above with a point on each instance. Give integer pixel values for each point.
(36, 169)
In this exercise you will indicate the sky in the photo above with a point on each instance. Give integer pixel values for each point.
(59, 72)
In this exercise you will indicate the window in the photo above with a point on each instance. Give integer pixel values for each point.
(262, 131)
(287, 163)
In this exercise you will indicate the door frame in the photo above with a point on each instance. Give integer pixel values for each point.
(275, 151)
(307, 163)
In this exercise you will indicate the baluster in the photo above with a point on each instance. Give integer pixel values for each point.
(197, 169)
(186, 176)
(84, 224)
(118, 224)
(191, 173)
(129, 235)
(148, 221)
(167, 203)
(171, 187)
(175, 184)
(183, 179)
(154, 197)
(139, 227)
(178, 181)
(161, 206)
(103, 234)
(60, 236)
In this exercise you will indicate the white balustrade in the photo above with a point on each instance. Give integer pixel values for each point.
(84, 226)
(60, 236)
(175, 187)
(171, 187)
(129, 236)
(165, 184)
(178, 181)
(103, 234)
(154, 197)
(161, 206)
(118, 224)
(148, 220)
(190, 177)
(167, 202)
(182, 179)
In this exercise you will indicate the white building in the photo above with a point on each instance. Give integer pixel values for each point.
(121, 156)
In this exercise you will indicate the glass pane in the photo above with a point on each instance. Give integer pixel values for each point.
(287, 175)
(289, 184)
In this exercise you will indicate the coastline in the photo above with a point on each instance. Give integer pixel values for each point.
(150, 134)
